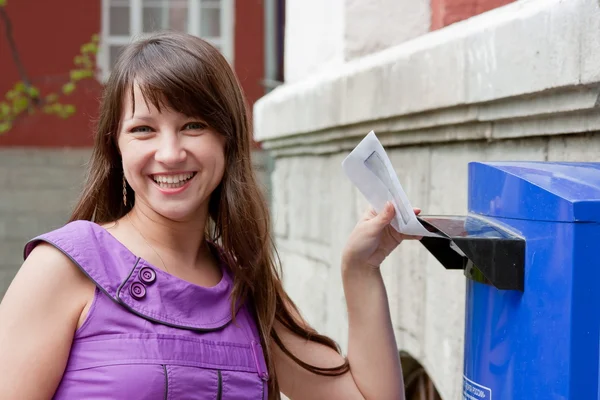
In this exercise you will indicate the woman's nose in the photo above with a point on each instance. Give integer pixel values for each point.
(170, 151)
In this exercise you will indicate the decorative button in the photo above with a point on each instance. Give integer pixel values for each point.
(147, 275)
(137, 290)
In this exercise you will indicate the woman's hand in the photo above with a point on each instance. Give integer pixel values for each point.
(373, 239)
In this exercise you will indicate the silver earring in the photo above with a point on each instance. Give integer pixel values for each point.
(124, 191)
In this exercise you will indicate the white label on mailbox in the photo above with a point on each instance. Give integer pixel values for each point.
(475, 391)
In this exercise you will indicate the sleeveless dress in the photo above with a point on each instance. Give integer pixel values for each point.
(150, 335)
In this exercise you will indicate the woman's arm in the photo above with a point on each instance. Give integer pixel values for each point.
(375, 370)
(38, 317)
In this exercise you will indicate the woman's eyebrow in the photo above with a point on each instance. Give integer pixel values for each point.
(142, 117)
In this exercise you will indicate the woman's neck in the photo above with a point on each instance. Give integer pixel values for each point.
(179, 243)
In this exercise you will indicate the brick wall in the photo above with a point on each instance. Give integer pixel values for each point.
(446, 12)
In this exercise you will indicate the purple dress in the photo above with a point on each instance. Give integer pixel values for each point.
(150, 335)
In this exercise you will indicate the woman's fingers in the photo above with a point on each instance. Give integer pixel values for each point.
(370, 213)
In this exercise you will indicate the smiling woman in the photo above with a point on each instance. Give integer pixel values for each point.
(165, 283)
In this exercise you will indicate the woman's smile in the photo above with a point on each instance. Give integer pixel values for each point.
(173, 182)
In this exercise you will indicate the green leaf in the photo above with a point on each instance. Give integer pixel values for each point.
(4, 109)
(87, 73)
(89, 48)
(20, 104)
(33, 92)
(11, 94)
(51, 98)
(69, 109)
(79, 74)
(68, 88)
(5, 126)
(2, 3)
(75, 74)
(95, 37)
(19, 87)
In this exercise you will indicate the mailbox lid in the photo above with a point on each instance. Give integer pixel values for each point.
(540, 191)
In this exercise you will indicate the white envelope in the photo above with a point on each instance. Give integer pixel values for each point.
(371, 171)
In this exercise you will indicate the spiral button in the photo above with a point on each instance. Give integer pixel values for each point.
(147, 275)
(137, 290)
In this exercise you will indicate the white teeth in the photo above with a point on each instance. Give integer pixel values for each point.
(172, 180)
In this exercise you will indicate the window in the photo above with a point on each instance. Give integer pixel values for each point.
(211, 20)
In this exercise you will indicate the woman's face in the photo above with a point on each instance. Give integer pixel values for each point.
(172, 162)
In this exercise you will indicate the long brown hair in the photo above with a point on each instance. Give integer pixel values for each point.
(188, 75)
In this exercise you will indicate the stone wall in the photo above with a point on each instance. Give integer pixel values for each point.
(518, 83)
(39, 189)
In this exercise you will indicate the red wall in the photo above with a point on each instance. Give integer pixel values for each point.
(49, 35)
(446, 12)
(249, 47)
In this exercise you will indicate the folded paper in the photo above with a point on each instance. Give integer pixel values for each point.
(370, 170)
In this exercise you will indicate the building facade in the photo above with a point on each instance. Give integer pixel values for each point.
(442, 83)
(43, 157)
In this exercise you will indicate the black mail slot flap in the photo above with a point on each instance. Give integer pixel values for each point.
(486, 252)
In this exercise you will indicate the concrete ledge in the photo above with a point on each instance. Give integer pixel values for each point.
(497, 75)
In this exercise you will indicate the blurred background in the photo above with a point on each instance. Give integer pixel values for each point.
(441, 82)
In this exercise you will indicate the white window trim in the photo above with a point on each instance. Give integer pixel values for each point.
(226, 41)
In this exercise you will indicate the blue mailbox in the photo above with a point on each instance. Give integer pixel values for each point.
(528, 248)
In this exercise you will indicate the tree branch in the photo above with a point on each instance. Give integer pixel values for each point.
(13, 46)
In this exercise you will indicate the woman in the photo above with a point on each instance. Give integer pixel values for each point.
(164, 283)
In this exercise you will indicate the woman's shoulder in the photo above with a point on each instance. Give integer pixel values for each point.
(54, 254)
(65, 236)
(91, 248)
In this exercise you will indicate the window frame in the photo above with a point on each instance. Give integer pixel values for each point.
(225, 41)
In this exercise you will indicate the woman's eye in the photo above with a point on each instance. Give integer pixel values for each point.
(141, 129)
(195, 125)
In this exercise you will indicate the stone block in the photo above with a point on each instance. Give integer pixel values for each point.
(51, 177)
(308, 198)
(320, 200)
(306, 282)
(556, 124)
(589, 25)
(536, 51)
(533, 149)
(279, 203)
(406, 279)
(375, 25)
(32, 157)
(297, 187)
(41, 202)
(387, 85)
(448, 181)
(25, 226)
(583, 148)
(444, 327)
